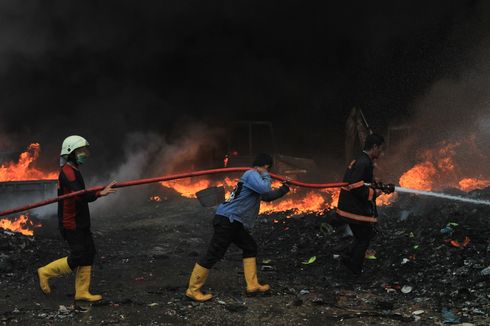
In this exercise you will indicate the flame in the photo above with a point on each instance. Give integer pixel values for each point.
(225, 161)
(23, 169)
(22, 224)
(311, 202)
(187, 187)
(386, 199)
(469, 184)
(419, 177)
(156, 198)
(439, 169)
(298, 201)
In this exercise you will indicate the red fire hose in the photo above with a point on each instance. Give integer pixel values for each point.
(166, 178)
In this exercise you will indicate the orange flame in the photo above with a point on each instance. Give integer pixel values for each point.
(21, 225)
(23, 169)
(419, 177)
(438, 169)
(187, 187)
(298, 201)
(469, 184)
(156, 198)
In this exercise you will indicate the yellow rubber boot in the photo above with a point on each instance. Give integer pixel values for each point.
(198, 278)
(82, 285)
(56, 268)
(250, 272)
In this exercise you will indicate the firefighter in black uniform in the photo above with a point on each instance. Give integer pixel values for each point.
(74, 222)
(357, 202)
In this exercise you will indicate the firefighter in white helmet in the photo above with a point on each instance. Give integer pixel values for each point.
(74, 221)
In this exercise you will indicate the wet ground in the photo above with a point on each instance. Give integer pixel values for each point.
(430, 268)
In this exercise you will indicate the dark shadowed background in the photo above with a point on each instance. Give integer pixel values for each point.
(131, 74)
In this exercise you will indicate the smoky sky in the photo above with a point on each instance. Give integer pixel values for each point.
(106, 69)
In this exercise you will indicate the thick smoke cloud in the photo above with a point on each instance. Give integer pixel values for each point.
(109, 69)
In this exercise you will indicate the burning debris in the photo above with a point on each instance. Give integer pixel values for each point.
(21, 224)
(24, 168)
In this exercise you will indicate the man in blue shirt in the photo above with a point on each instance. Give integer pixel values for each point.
(232, 224)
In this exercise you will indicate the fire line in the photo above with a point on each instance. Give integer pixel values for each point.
(167, 178)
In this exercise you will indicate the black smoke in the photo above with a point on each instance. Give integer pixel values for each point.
(109, 69)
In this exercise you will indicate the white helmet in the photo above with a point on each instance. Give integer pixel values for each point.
(71, 143)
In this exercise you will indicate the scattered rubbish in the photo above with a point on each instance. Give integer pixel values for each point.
(405, 260)
(418, 312)
(326, 229)
(318, 301)
(370, 254)
(304, 291)
(266, 261)
(336, 256)
(457, 244)
(485, 271)
(310, 261)
(266, 268)
(448, 317)
(153, 304)
(63, 310)
(411, 235)
(416, 247)
(392, 287)
(406, 289)
(447, 230)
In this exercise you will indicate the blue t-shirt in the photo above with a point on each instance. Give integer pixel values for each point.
(244, 202)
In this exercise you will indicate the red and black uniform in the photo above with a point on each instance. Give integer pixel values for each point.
(74, 217)
(357, 207)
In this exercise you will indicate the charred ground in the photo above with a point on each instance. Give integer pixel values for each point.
(146, 254)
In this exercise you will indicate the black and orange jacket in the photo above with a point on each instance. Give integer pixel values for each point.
(357, 202)
(73, 213)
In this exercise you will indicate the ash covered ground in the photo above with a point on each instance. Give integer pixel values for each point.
(432, 267)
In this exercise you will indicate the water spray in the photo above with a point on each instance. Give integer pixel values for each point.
(393, 188)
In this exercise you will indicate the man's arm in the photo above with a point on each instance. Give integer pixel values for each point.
(260, 183)
(275, 194)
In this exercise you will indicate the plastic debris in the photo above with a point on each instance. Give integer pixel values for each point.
(266, 268)
(418, 312)
(448, 317)
(310, 261)
(406, 289)
(405, 260)
(154, 304)
(457, 244)
(63, 310)
(485, 272)
(447, 230)
(370, 254)
(266, 261)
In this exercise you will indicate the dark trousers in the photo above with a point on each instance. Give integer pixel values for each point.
(363, 233)
(82, 248)
(226, 233)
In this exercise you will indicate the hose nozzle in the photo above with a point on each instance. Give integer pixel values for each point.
(387, 188)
